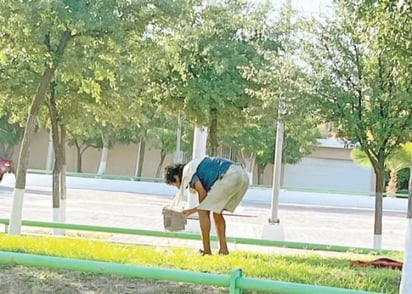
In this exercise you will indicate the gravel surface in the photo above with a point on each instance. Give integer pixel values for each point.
(27, 280)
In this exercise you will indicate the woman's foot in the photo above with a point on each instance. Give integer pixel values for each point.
(223, 252)
(203, 253)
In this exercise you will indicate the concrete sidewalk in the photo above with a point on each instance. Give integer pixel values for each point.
(124, 205)
(254, 194)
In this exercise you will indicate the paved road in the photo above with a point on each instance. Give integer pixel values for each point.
(253, 195)
(300, 222)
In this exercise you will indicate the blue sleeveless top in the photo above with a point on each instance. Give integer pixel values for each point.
(210, 170)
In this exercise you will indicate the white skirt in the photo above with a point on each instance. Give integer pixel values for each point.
(227, 192)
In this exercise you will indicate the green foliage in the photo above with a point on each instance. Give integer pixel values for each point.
(164, 132)
(259, 140)
(127, 64)
(360, 157)
(403, 179)
(387, 27)
(10, 135)
(99, 78)
(205, 59)
(397, 160)
(358, 85)
(309, 269)
(278, 81)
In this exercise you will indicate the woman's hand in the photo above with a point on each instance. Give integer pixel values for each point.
(189, 211)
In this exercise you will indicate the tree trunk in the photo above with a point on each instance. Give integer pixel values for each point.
(379, 189)
(18, 194)
(105, 153)
(159, 167)
(140, 157)
(260, 172)
(249, 165)
(213, 133)
(49, 161)
(58, 161)
(79, 158)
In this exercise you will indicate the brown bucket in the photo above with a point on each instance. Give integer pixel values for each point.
(173, 220)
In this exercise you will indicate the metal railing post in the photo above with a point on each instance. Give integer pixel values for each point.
(234, 276)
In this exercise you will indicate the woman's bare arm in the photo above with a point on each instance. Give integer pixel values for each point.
(201, 192)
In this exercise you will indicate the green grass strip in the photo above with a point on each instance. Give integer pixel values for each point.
(311, 269)
(191, 236)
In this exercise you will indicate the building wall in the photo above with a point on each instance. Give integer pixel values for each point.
(326, 168)
(122, 158)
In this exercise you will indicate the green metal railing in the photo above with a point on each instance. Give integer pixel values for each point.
(191, 236)
(235, 281)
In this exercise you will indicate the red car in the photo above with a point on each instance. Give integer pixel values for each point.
(5, 167)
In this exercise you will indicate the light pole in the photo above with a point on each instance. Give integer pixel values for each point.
(406, 280)
(277, 166)
(178, 157)
(274, 230)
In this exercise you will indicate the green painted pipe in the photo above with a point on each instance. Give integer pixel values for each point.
(236, 282)
(191, 236)
(12, 258)
(291, 288)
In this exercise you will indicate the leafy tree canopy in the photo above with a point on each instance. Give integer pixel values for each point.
(358, 86)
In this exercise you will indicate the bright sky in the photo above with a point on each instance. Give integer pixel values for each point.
(311, 6)
(306, 6)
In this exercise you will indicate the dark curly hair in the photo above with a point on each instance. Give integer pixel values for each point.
(171, 171)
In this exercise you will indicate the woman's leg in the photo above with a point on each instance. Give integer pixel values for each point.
(204, 219)
(221, 232)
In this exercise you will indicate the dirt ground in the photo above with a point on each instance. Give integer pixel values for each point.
(28, 280)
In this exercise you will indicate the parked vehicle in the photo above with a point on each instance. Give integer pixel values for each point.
(5, 167)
